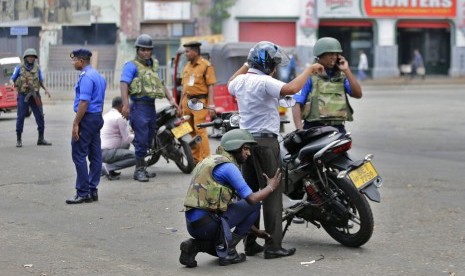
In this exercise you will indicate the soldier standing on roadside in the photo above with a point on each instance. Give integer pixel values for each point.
(28, 79)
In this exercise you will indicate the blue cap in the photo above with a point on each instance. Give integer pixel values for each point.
(81, 53)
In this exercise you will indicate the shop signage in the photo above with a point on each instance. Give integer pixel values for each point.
(411, 8)
(387, 8)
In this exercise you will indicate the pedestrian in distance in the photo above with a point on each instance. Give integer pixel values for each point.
(140, 85)
(85, 142)
(198, 78)
(116, 140)
(362, 65)
(28, 79)
(323, 100)
(257, 94)
(210, 222)
(418, 66)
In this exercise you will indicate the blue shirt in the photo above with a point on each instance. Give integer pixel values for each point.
(227, 174)
(130, 72)
(301, 96)
(91, 88)
(17, 70)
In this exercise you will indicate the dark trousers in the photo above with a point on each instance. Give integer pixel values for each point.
(265, 159)
(143, 120)
(23, 108)
(240, 215)
(88, 146)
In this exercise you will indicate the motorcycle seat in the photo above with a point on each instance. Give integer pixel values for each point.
(317, 144)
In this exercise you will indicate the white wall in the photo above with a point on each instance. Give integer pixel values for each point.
(110, 11)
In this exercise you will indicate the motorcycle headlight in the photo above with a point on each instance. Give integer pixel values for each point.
(234, 120)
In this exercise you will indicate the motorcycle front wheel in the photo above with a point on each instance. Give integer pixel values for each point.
(355, 213)
(186, 162)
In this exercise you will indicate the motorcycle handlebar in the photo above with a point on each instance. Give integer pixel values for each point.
(204, 125)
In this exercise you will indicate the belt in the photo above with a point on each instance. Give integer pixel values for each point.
(264, 135)
(152, 103)
(326, 123)
(201, 96)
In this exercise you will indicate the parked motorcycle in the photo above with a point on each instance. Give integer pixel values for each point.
(173, 140)
(325, 185)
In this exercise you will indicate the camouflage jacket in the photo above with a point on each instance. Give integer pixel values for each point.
(328, 100)
(147, 83)
(204, 192)
(28, 80)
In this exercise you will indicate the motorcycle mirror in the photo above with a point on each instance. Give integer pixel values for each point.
(194, 104)
(287, 101)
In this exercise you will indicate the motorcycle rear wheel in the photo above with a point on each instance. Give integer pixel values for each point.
(186, 163)
(353, 234)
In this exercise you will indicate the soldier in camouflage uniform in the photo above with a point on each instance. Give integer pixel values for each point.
(28, 79)
(323, 99)
(211, 207)
(140, 83)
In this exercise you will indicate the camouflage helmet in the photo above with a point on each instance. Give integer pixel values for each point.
(30, 52)
(144, 41)
(235, 139)
(326, 45)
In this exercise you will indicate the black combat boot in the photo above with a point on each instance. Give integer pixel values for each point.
(190, 248)
(41, 141)
(233, 257)
(148, 174)
(139, 173)
(251, 247)
(19, 143)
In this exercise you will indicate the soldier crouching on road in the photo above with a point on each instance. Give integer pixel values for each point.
(211, 212)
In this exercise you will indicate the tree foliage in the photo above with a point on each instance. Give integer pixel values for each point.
(218, 13)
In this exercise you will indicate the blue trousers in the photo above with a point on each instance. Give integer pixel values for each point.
(88, 146)
(23, 108)
(143, 120)
(240, 215)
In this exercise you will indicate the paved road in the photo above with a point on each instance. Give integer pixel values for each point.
(416, 133)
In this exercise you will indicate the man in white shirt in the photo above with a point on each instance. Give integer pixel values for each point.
(116, 140)
(257, 94)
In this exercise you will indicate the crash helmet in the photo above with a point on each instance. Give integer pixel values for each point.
(30, 52)
(265, 56)
(326, 45)
(235, 139)
(144, 41)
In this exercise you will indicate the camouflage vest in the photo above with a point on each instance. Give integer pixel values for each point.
(204, 192)
(28, 80)
(328, 100)
(147, 83)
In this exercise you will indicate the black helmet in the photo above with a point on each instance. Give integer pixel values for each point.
(144, 41)
(265, 56)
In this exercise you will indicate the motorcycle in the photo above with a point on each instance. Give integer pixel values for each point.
(173, 140)
(325, 185)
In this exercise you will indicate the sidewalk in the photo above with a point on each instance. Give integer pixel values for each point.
(406, 80)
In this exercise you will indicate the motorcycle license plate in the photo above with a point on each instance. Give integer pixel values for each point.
(181, 130)
(363, 174)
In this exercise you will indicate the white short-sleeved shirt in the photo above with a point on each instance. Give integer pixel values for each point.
(257, 98)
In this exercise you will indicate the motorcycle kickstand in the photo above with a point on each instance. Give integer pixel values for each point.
(288, 222)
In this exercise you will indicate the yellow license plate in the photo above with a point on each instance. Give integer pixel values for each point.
(182, 130)
(363, 174)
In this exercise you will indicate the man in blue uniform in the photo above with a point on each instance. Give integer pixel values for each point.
(140, 83)
(85, 142)
(28, 79)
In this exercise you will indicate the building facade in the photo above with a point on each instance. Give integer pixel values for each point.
(387, 30)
